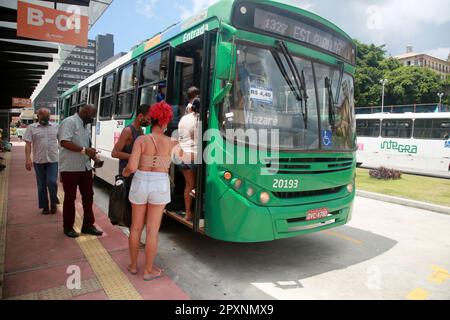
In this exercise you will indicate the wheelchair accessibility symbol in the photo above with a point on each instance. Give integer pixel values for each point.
(447, 144)
(327, 138)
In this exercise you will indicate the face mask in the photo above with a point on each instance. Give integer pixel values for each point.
(145, 123)
(44, 121)
(89, 121)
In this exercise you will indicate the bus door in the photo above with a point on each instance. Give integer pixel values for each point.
(94, 97)
(190, 59)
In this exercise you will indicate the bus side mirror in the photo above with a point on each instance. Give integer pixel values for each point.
(226, 55)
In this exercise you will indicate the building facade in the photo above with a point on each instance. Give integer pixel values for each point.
(422, 60)
(81, 64)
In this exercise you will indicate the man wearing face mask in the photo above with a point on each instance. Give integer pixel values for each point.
(75, 157)
(41, 137)
(123, 148)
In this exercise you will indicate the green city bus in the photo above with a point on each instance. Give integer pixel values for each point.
(263, 68)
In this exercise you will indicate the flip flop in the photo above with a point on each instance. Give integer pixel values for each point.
(131, 271)
(152, 277)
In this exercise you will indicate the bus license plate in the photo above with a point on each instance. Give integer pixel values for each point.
(317, 214)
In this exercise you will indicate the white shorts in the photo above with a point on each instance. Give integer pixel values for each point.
(150, 187)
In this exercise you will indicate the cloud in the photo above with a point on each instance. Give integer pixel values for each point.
(441, 53)
(306, 5)
(193, 7)
(402, 16)
(146, 7)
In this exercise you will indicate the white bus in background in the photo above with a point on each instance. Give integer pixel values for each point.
(411, 142)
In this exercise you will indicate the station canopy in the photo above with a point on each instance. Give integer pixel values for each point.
(26, 64)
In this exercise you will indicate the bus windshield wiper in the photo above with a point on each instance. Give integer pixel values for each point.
(341, 77)
(299, 79)
(285, 75)
(333, 101)
(331, 104)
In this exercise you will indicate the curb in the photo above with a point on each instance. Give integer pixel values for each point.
(404, 202)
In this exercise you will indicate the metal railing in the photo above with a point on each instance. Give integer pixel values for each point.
(416, 108)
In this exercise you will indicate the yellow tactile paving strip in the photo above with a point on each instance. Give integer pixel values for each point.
(62, 292)
(4, 175)
(113, 281)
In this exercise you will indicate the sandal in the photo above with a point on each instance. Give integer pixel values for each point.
(153, 277)
(131, 271)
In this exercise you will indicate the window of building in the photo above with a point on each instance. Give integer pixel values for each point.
(106, 102)
(126, 91)
(397, 129)
(432, 129)
(368, 128)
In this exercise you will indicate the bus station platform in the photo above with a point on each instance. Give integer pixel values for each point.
(38, 262)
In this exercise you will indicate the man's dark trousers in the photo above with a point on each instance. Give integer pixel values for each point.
(83, 180)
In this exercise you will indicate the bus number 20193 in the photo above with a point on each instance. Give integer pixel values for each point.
(285, 184)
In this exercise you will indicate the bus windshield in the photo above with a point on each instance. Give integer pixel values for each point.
(263, 98)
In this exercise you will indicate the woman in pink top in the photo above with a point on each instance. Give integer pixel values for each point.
(150, 190)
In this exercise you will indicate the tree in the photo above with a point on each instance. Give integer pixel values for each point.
(412, 85)
(406, 84)
(371, 67)
(445, 89)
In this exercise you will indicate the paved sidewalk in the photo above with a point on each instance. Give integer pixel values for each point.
(37, 261)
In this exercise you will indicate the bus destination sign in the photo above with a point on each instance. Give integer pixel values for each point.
(300, 31)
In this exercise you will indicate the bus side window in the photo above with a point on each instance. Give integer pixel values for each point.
(125, 95)
(153, 70)
(441, 129)
(368, 128)
(422, 129)
(73, 104)
(397, 129)
(106, 101)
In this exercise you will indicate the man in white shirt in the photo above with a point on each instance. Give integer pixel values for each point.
(41, 137)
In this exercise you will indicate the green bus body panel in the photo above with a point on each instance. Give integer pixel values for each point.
(70, 91)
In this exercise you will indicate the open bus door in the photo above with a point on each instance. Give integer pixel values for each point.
(94, 98)
(188, 70)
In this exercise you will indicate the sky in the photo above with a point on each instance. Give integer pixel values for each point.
(394, 23)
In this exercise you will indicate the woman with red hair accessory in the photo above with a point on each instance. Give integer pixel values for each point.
(150, 189)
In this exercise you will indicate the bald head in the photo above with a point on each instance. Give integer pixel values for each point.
(43, 112)
(43, 116)
(88, 113)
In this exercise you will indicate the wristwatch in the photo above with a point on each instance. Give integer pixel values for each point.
(83, 151)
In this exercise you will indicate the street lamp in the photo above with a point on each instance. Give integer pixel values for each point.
(440, 95)
(383, 83)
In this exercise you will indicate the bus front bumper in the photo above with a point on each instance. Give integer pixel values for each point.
(291, 221)
(243, 221)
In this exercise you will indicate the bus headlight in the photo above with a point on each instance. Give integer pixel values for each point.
(237, 184)
(250, 192)
(264, 197)
(350, 188)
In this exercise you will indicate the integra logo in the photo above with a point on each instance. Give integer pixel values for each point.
(402, 148)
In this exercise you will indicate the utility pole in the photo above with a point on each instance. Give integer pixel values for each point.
(440, 95)
(383, 83)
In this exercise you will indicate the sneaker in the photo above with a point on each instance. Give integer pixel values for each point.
(45, 212)
(54, 209)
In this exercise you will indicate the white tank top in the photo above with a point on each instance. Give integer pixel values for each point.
(188, 133)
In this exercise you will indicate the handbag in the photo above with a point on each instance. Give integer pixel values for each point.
(119, 211)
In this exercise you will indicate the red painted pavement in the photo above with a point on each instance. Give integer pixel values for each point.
(38, 254)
